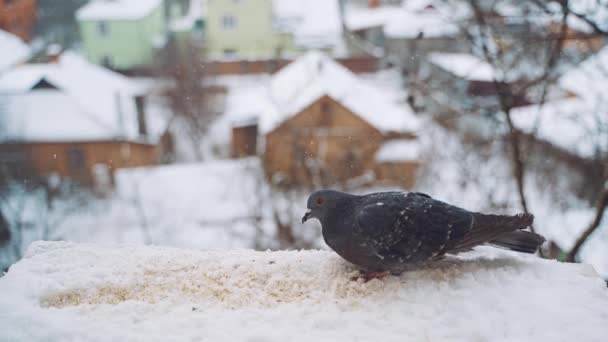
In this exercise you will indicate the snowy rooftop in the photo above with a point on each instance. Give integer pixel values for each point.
(359, 18)
(409, 25)
(19, 51)
(68, 291)
(426, 18)
(314, 75)
(399, 150)
(590, 78)
(117, 9)
(465, 66)
(41, 98)
(575, 124)
(567, 123)
(315, 24)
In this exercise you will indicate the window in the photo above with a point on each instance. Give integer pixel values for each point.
(228, 22)
(103, 28)
(230, 53)
(325, 108)
(106, 61)
(76, 159)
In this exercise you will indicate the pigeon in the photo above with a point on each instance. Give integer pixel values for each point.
(391, 232)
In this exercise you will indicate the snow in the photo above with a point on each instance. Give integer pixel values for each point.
(409, 25)
(315, 24)
(589, 79)
(399, 150)
(86, 95)
(360, 18)
(465, 66)
(19, 51)
(117, 9)
(426, 18)
(199, 205)
(69, 291)
(314, 75)
(578, 123)
(566, 123)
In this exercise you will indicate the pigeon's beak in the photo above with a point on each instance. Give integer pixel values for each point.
(306, 216)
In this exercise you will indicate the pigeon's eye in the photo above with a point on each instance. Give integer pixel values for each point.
(320, 200)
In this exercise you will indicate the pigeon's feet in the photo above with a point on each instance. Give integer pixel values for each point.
(367, 276)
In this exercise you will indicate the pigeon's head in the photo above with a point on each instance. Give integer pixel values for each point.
(321, 202)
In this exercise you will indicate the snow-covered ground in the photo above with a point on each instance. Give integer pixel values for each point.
(74, 292)
(203, 205)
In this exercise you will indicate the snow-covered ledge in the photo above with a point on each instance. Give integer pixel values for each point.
(67, 291)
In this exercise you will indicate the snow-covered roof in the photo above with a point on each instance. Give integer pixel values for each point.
(414, 18)
(589, 79)
(399, 150)
(15, 51)
(117, 9)
(314, 75)
(583, 125)
(426, 18)
(359, 18)
(68, 100)
(411, 25)
(315, 24)
(84, 292)
(571, 124)
(465, 66)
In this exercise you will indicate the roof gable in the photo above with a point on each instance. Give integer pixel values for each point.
(44, 84)
(294, 120)
(314, 75)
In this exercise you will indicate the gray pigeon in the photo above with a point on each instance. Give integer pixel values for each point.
(393, 231)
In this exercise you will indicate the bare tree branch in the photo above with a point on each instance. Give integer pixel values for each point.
(600, 207)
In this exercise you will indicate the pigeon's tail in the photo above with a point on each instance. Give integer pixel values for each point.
(519, 241)
(501, 231)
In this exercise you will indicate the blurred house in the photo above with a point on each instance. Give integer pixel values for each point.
(187, 24)
(19, 51)
(56, 22)
(264, 29)
(463, 91)
(18, 17)
(573, 129)
(365, 25)
(526, 32)
(324, 124)
(72, 119)
(122, 34)
(404, 35)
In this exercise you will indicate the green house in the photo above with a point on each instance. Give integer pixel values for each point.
(122, 34)
(271, 28)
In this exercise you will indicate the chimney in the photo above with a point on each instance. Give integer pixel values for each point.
(140, 105)
(53, 52)
(373, 3)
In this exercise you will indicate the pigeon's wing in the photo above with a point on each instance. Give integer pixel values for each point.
(414, 229)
